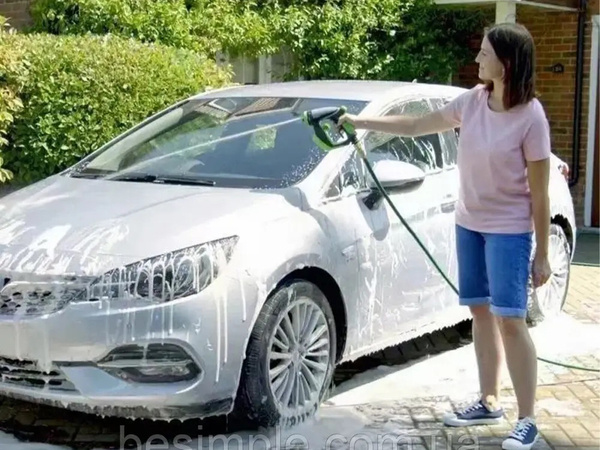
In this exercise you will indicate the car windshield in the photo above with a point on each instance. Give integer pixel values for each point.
(225, 142)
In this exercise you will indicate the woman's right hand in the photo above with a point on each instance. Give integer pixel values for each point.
(348, 118)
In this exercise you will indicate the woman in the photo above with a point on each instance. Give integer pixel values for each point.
(503, 160)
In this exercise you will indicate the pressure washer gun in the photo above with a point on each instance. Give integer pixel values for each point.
(325, 136)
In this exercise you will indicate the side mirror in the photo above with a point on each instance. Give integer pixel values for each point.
(396, 174)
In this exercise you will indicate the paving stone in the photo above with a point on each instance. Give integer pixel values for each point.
(586, 442)
(422, 414)
(578, 448)
(575, 430)
(544, 392)
(595, 434)
(583, 392)
(438, 443)
(557, 438)
(591, 425)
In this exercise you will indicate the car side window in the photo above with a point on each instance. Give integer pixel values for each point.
(350, 178)
(450, 147)
(422, 151)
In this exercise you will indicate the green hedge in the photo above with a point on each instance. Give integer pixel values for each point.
(206, 26)
(9, 105)
(397, 40)
(368, 39)
(78, 92)
(164, 21)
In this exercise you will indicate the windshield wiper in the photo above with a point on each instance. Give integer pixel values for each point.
(90, 176)
(148, 178)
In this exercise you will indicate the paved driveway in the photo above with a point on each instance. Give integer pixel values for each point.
(393, 399)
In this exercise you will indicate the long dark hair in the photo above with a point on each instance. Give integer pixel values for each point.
(514, 47)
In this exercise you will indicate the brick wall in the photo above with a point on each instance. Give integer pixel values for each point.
(555, 36)
(17, 12)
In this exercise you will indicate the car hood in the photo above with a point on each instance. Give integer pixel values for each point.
(63, 225)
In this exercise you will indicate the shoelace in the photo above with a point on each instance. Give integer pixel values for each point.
(521, 430)
(473, 407)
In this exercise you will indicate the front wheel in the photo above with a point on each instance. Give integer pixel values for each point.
(290, 358)
(548, 300)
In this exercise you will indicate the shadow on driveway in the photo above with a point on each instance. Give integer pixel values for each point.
(587, 251)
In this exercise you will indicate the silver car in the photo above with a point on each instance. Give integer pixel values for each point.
(215, 260)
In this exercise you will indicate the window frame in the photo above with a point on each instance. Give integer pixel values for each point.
(385, 109)
(335, 189)
(396, 103)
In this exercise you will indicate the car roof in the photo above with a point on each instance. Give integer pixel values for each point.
(361, 90)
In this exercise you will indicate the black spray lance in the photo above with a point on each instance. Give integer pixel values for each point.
(327, 138)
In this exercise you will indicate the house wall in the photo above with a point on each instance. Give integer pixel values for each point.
(555, 36)
(16, 11)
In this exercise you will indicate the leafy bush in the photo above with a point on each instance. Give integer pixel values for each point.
(378, 39)
(9, 105)
(205, 26)
(381, 39)
(78, 92)
(164, 21)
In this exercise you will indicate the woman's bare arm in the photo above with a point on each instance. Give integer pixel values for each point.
(402, 125)
(538, 176)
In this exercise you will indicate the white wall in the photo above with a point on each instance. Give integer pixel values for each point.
(261, 70)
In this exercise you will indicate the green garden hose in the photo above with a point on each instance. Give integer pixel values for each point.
(316, 119)
(432, 259)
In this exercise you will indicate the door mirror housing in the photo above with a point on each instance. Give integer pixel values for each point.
(393, 175)
(396, 174)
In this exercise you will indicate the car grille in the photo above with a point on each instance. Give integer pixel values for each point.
(26, 373)
(18, 298)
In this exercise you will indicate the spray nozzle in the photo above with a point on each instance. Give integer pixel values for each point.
(326, 137)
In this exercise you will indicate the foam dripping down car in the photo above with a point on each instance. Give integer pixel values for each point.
(214, 260)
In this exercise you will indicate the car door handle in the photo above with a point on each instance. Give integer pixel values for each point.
(448, 207)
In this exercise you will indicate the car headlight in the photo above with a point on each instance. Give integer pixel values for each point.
(166, 277)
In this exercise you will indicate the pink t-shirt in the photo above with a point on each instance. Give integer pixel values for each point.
(493, 151)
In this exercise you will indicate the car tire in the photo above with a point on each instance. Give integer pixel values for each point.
(262, 395)
(548, 300)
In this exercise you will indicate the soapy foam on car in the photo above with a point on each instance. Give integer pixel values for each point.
(368, 325)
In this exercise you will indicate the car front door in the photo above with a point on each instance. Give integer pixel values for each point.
(347, 219)
(446, 220)
(406, 287)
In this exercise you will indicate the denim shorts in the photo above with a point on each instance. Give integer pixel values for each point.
(494, 269)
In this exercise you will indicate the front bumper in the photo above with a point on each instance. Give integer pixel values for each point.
(156, 407)
(53, 359)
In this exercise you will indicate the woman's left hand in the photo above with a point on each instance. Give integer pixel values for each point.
(541, 270)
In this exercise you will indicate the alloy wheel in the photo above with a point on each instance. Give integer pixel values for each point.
(299, 355)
